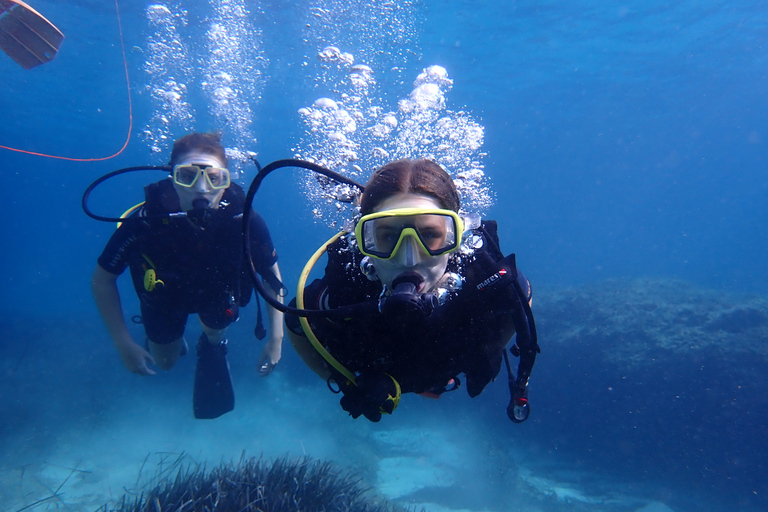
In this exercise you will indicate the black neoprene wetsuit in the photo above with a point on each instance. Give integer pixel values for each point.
(467, 334)
(198, 266)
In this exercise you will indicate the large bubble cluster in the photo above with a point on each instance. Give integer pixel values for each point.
(353, 134)
(229, 71)
(233, 77)
(169, 70)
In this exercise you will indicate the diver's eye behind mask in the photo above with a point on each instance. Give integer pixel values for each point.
(186, 175)
(436, 231)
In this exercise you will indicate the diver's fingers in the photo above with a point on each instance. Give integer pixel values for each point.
(144, 369)
(266, 368)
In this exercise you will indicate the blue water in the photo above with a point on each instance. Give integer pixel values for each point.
(623, 141)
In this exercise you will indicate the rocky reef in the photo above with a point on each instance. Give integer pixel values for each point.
(634, 321)
(657, 377)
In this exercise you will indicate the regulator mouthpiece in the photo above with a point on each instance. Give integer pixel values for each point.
(405, 301)
(201, 212)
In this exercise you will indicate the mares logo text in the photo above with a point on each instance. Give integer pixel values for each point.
(493, 279)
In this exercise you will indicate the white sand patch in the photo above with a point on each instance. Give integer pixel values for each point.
(655, 506)
(400, 476)
(560, 491)
(421, 459)
(414, 440)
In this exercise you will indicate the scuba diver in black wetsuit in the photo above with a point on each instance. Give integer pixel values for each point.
(446, 300)
(185, 252)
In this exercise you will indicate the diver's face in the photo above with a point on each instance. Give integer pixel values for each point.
(201, 189)
(411, 257)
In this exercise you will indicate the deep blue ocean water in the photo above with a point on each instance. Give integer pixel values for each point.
(623, 141)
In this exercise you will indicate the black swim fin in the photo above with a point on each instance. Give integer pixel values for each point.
(213, 395)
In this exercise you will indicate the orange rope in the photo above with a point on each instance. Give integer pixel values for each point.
(130, 112)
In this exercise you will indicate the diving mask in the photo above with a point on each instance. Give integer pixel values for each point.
(381, 234)
(186, 175)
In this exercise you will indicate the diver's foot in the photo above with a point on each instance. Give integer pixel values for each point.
(205, 346)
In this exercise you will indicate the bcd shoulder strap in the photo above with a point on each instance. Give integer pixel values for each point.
(161, 199)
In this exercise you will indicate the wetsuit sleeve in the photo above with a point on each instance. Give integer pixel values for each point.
(116, 255)
(262, 249)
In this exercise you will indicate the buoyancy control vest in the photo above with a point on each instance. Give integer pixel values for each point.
(188, 255)
(467, 333)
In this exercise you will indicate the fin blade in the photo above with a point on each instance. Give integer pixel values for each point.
(213, 392)
(26, 36)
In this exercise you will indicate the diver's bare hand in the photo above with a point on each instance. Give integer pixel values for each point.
(136, 359)
(270, 356)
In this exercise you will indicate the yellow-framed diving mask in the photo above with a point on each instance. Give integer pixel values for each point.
(186, 175)
(436, 231)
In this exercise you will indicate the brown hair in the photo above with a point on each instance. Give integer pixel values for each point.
(203, 142)
(423, 177)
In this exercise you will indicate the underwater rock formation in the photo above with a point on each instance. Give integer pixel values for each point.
(658, 377)
(285, 485)
(634, 321)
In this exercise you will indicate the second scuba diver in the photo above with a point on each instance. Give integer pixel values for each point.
(447, 301)
(184, 248)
